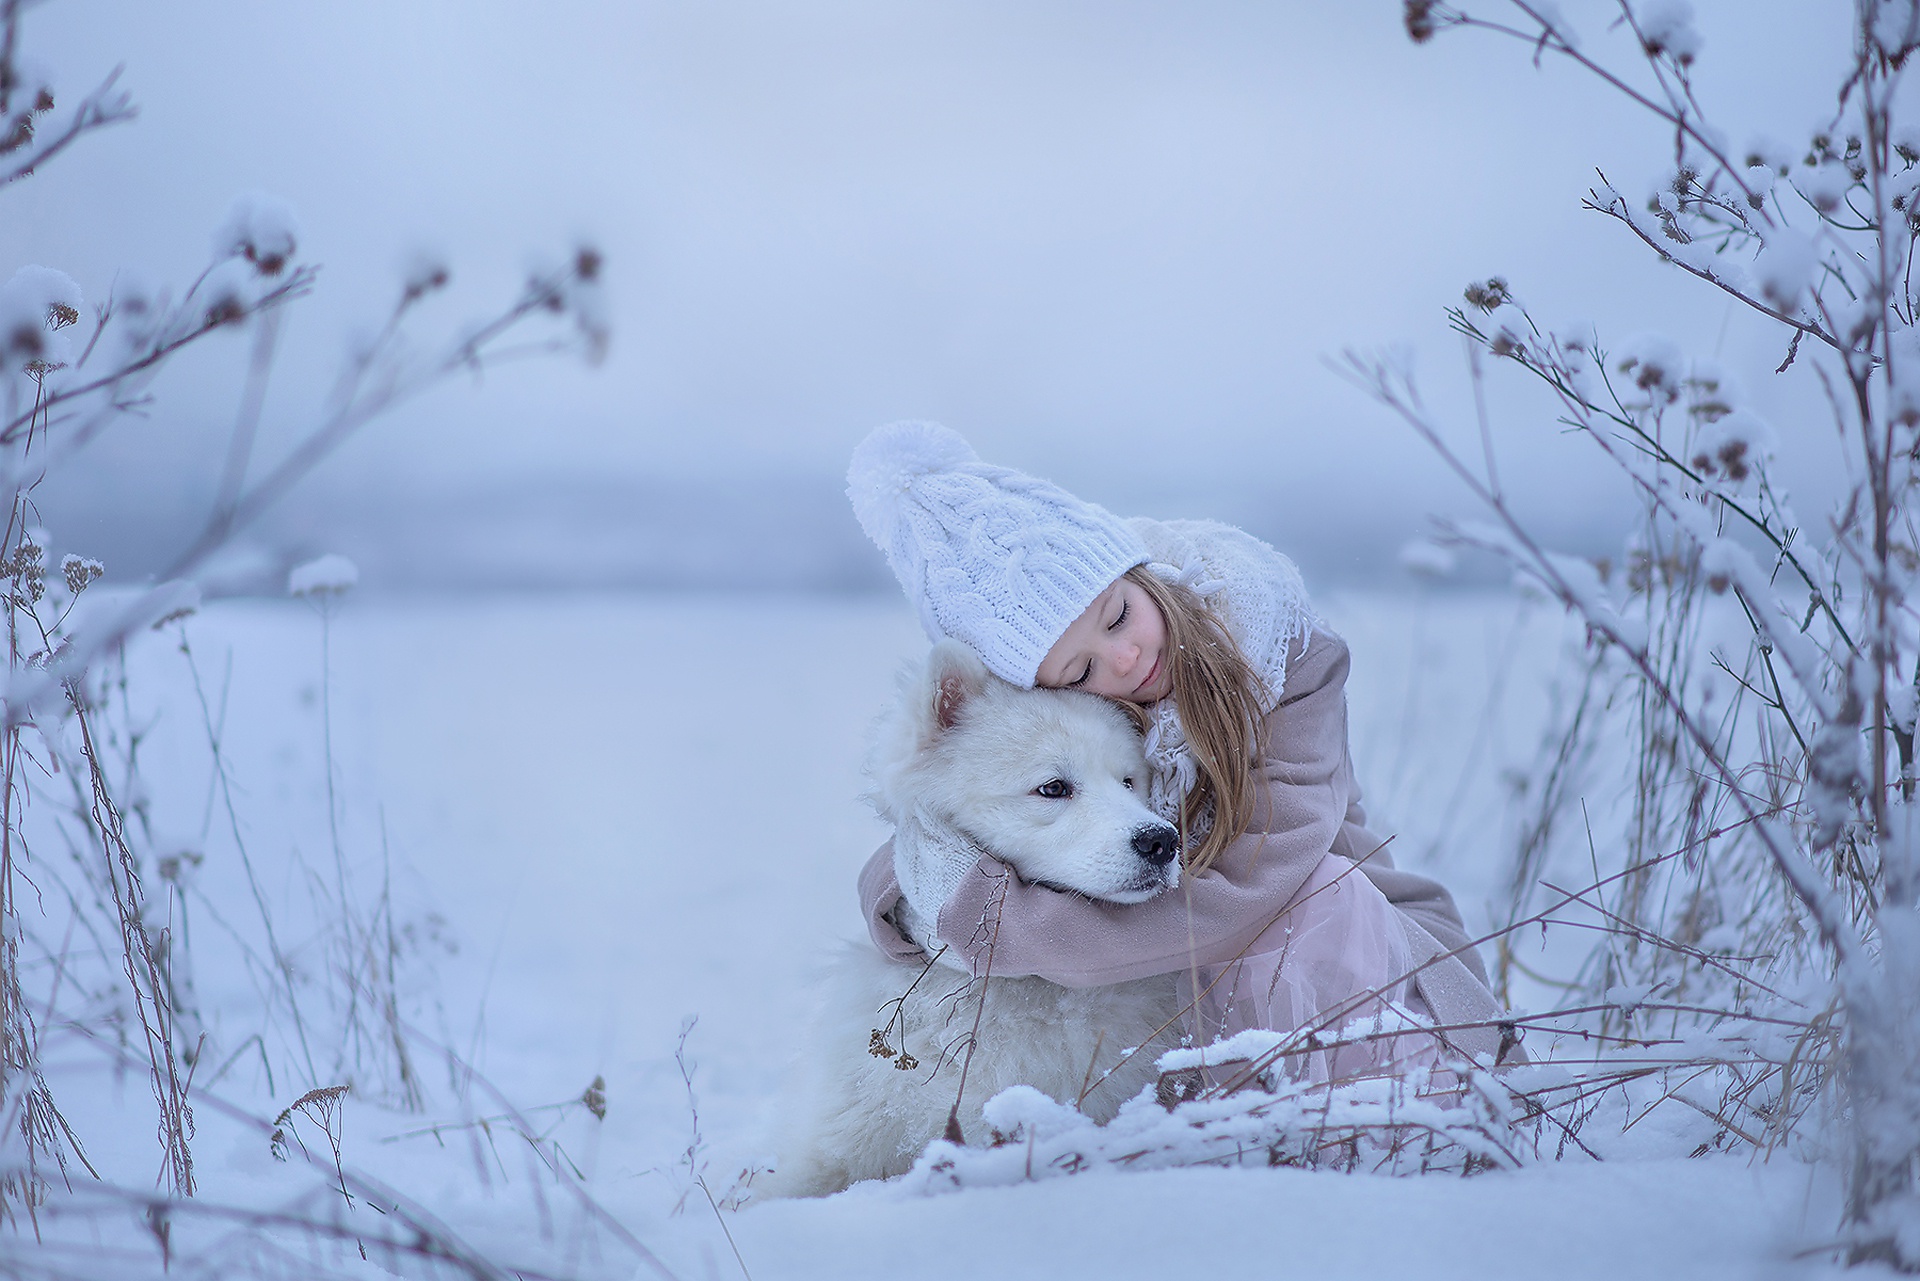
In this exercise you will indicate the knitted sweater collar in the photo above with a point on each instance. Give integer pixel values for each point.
(1258, 594)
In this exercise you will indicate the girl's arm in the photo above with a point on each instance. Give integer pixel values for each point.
(879, 891)
(1301, 797)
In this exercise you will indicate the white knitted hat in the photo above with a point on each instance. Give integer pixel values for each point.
(994, 558)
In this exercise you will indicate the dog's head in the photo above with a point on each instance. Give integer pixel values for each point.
(1052, 782)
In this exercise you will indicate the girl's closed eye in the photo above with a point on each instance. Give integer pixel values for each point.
(1117, 623)
(1083, 678)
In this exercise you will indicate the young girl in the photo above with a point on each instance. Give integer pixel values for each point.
(1291, 912)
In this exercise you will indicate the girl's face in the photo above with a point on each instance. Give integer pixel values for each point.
(1117, 649)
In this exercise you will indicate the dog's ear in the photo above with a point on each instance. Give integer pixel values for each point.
(955, 674)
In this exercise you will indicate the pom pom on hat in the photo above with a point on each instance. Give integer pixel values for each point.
(997, 559)
(885, 465)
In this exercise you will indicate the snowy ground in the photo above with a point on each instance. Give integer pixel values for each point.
(635, 809)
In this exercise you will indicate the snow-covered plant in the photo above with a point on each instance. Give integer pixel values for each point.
(1395, 1124)
(70, 744)
(1768, 873)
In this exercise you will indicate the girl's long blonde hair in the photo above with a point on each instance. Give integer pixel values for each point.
(1218, 696)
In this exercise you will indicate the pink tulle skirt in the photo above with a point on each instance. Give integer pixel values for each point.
(1331, 968)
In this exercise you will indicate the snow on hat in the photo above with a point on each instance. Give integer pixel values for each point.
(994, 558)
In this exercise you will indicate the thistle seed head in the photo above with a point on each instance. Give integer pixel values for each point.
(80, 572)
(1488, 294)
(225, 310)
(1419, 19)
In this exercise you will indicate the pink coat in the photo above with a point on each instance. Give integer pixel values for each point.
(1278, 932)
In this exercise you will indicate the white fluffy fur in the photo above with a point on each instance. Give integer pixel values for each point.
(959, 764)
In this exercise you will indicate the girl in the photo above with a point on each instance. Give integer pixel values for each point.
(1290, 913)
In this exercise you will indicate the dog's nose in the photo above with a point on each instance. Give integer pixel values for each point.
(1157, 845)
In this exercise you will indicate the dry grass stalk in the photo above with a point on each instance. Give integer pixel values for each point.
(123, 963)
(145, 981)
(1766, 672)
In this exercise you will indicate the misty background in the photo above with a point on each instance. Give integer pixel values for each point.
(1112, 243)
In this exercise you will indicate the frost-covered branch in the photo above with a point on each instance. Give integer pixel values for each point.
(181, 327)
(27, 105)
(1815, 750)
(70, 738)
(1574, 584)
(379, 379)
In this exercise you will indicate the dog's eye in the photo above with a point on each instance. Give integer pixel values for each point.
(1054, 789)
(1128, 782)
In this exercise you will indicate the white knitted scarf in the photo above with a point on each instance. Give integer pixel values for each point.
(1258, 594)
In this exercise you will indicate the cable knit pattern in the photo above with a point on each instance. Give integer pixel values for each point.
(1258, 594)
(930, 858)
(993, 557)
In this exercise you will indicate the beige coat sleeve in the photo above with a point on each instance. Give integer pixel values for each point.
(879, 891)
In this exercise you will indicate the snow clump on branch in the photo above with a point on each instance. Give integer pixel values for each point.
(37, 306)
(228, 293)
(1656, 368)
(1769, 153)
(1825, 187)
(1784, 269)
(424, 273)
(1553, 20)
(329, 575)
(261, 229)
(1666, 26)
(1510, 329)
(1732, 446)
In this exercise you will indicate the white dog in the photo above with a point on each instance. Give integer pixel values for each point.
(1049, 781)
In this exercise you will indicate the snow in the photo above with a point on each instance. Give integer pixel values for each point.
(1700, 1220)
(631, 809)
(228, 292)
(1771, 153)
(260, 229)
(1368, 1123)
(1424, 558)
(1507, 325)
(1654, 366)
(424, 271)
(1666, 26)
(1784, 269)
(1903, 190)
(1854, 321)
(38, 309)
(1903, 706)
(1727, 561)
(1895, 26)
(1825, 187)
(1732, 446)
(1576, 338)
(328, 575)
(1553, 20)
(107, 612)
(1250, 1043)
(79, 572)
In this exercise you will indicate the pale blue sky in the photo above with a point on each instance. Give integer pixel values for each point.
(1111, 242)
